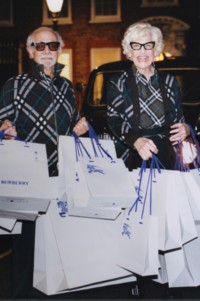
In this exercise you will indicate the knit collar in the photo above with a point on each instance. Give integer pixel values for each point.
(37, 70)
(139, 76)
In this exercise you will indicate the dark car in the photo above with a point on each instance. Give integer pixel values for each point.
(187, 72)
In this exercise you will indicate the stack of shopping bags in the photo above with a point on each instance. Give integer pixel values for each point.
(95, 180)
(169, 200)
(25, 189)
(76, 253)
(103, 239)
(98, 224)
(83, 224)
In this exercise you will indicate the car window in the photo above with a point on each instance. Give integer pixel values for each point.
(189, 83)
(188, 79)
(98, 93)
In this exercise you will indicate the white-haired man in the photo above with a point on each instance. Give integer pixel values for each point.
(38, 106)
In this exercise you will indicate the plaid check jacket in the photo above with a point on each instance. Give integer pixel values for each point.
(123, 114)
(41, 108)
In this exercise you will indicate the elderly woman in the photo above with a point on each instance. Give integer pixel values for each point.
(144, 105)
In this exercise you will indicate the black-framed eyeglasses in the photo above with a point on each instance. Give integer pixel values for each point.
(40, 46)
(138, 46)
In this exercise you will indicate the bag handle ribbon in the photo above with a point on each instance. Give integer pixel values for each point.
(80, 149)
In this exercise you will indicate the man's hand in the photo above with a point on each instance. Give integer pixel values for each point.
(145, 148)
(81, 127)
(10, 130)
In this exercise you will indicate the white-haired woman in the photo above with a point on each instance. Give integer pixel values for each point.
(144, 109)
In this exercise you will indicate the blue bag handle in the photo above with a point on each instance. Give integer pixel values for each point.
(95, 141)
(80, 149)
(2, 135)
(155, 165)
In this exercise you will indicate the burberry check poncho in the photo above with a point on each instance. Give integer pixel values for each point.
(140, 108)
(41, 108)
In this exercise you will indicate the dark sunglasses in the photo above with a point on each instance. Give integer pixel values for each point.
(40, 46)
(138, 46)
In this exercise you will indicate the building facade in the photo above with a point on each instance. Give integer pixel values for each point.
(92, 30)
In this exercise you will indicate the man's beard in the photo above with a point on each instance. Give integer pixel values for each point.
(47, 62)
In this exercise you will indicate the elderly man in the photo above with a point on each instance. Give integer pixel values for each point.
(38, 106)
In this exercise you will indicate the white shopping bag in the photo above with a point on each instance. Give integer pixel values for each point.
(162, 271)
(88, 191)
(138, 245)
(109, 183)
(186, 217)
(10, 226)
(183, 265)
(177, 270)
(192, 185)
(156, 198)
(68, 148)
(57, 263)
(7, 223)
(24, 179)
(163, 195)
(48, 276)
(88, 248)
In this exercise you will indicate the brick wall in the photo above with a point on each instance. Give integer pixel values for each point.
(81, 35)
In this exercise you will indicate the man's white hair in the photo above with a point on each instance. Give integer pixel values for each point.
(30, 38)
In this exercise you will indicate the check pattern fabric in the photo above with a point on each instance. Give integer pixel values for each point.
(137, 107)
(152, 112)
(41, 108)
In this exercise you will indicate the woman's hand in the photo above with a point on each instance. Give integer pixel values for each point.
(81, 127)
(145, 148)
(179, 131)
(10, 130)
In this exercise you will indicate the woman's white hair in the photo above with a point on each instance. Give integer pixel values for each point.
(138, 30)
(30, 38)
